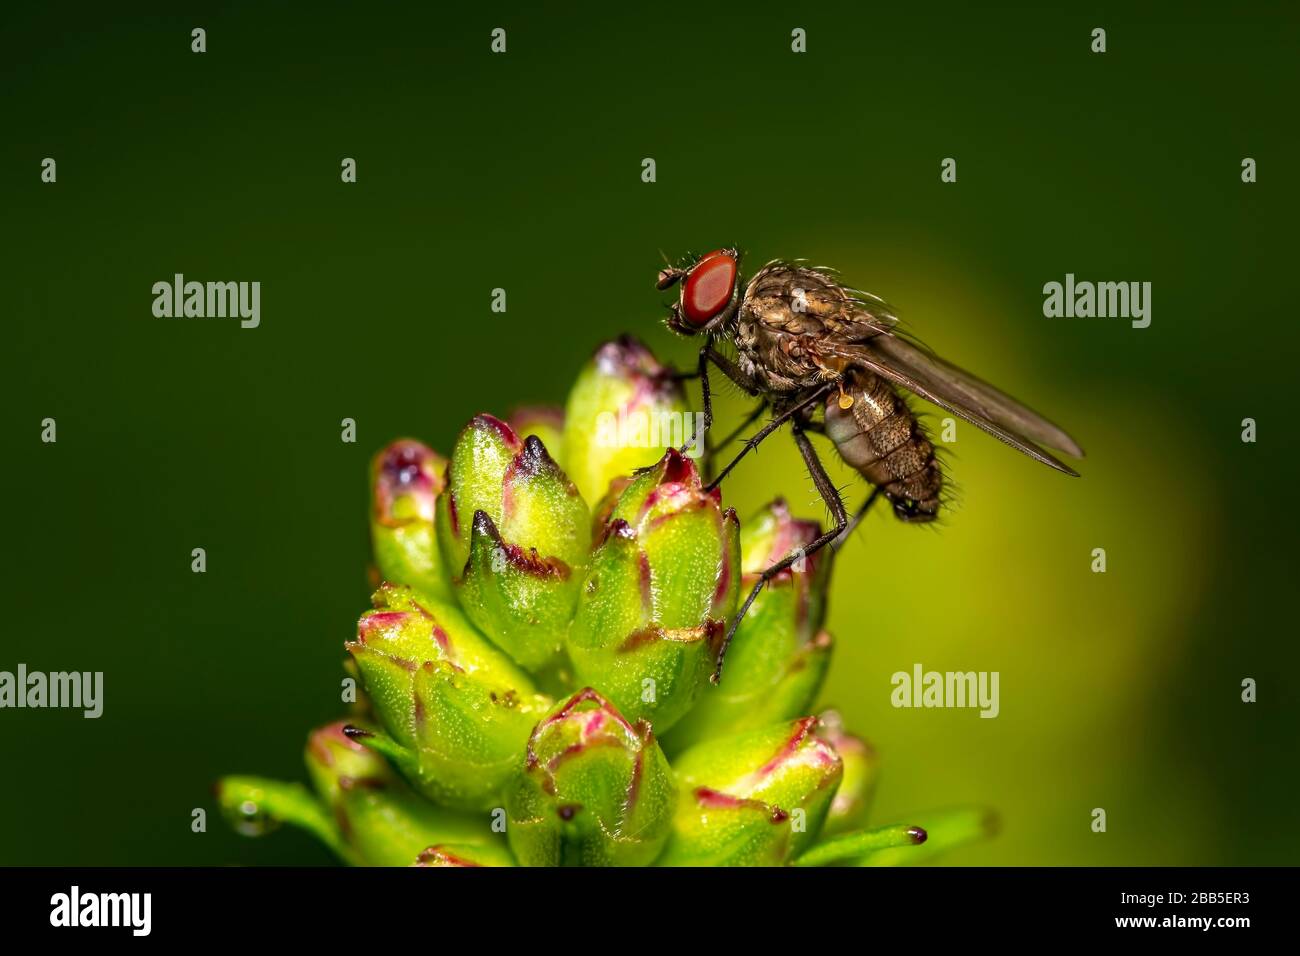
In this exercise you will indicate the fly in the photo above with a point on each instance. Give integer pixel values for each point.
(805, 344)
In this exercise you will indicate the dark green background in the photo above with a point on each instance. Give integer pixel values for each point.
(522, 171)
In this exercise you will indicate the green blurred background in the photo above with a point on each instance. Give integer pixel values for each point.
(1118, 690)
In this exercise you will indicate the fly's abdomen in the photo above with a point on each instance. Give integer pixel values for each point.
(880, 437)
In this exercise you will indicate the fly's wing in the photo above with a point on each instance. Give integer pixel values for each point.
(860, 329)
(902, 362)
(964, 389)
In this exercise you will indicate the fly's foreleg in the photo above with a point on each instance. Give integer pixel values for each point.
(730, 369)
(735, 374)
(725, 365)
(699, 439)
(832, 498)
(697, 443)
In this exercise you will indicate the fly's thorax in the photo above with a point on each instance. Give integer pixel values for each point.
(779, 362)
(756, 357)
(791, 324)
(880, 437)
(796, 299)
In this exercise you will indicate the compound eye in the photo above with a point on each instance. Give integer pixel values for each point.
(709, 288)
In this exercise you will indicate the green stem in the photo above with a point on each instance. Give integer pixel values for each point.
(947, 829)
(252, 802)
(851, 846)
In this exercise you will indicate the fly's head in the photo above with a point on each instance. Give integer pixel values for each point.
(710, 292)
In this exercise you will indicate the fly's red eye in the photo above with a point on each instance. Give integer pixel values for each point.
(709, 287)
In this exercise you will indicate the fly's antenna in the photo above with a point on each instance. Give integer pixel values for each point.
(672, 272)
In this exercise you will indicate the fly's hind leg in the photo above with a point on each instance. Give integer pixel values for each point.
(819, 427)
(832, 498)
(857, 518)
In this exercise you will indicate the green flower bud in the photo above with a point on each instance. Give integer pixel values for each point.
(778, 659)
(516, 534)
(657, 594)
(459, 854)
(595, 790)
(456, 710)
(861, 773)
(623, 413)
(756, 799)
(800, 590)
(406, 479)
(366, 813)
(381, 819)
(544, 421)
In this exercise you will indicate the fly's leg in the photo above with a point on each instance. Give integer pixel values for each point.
(711, 447)
(735, 433)
(749, 420)
(832, 498)
(735, 374)
(819, 428)
(857, 518)
(699, 439)
(770, 427)
(730, 369)
(750, 445)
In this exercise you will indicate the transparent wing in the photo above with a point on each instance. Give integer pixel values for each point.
(918, 370)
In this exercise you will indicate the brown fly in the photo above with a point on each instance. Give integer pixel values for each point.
(805, 343)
